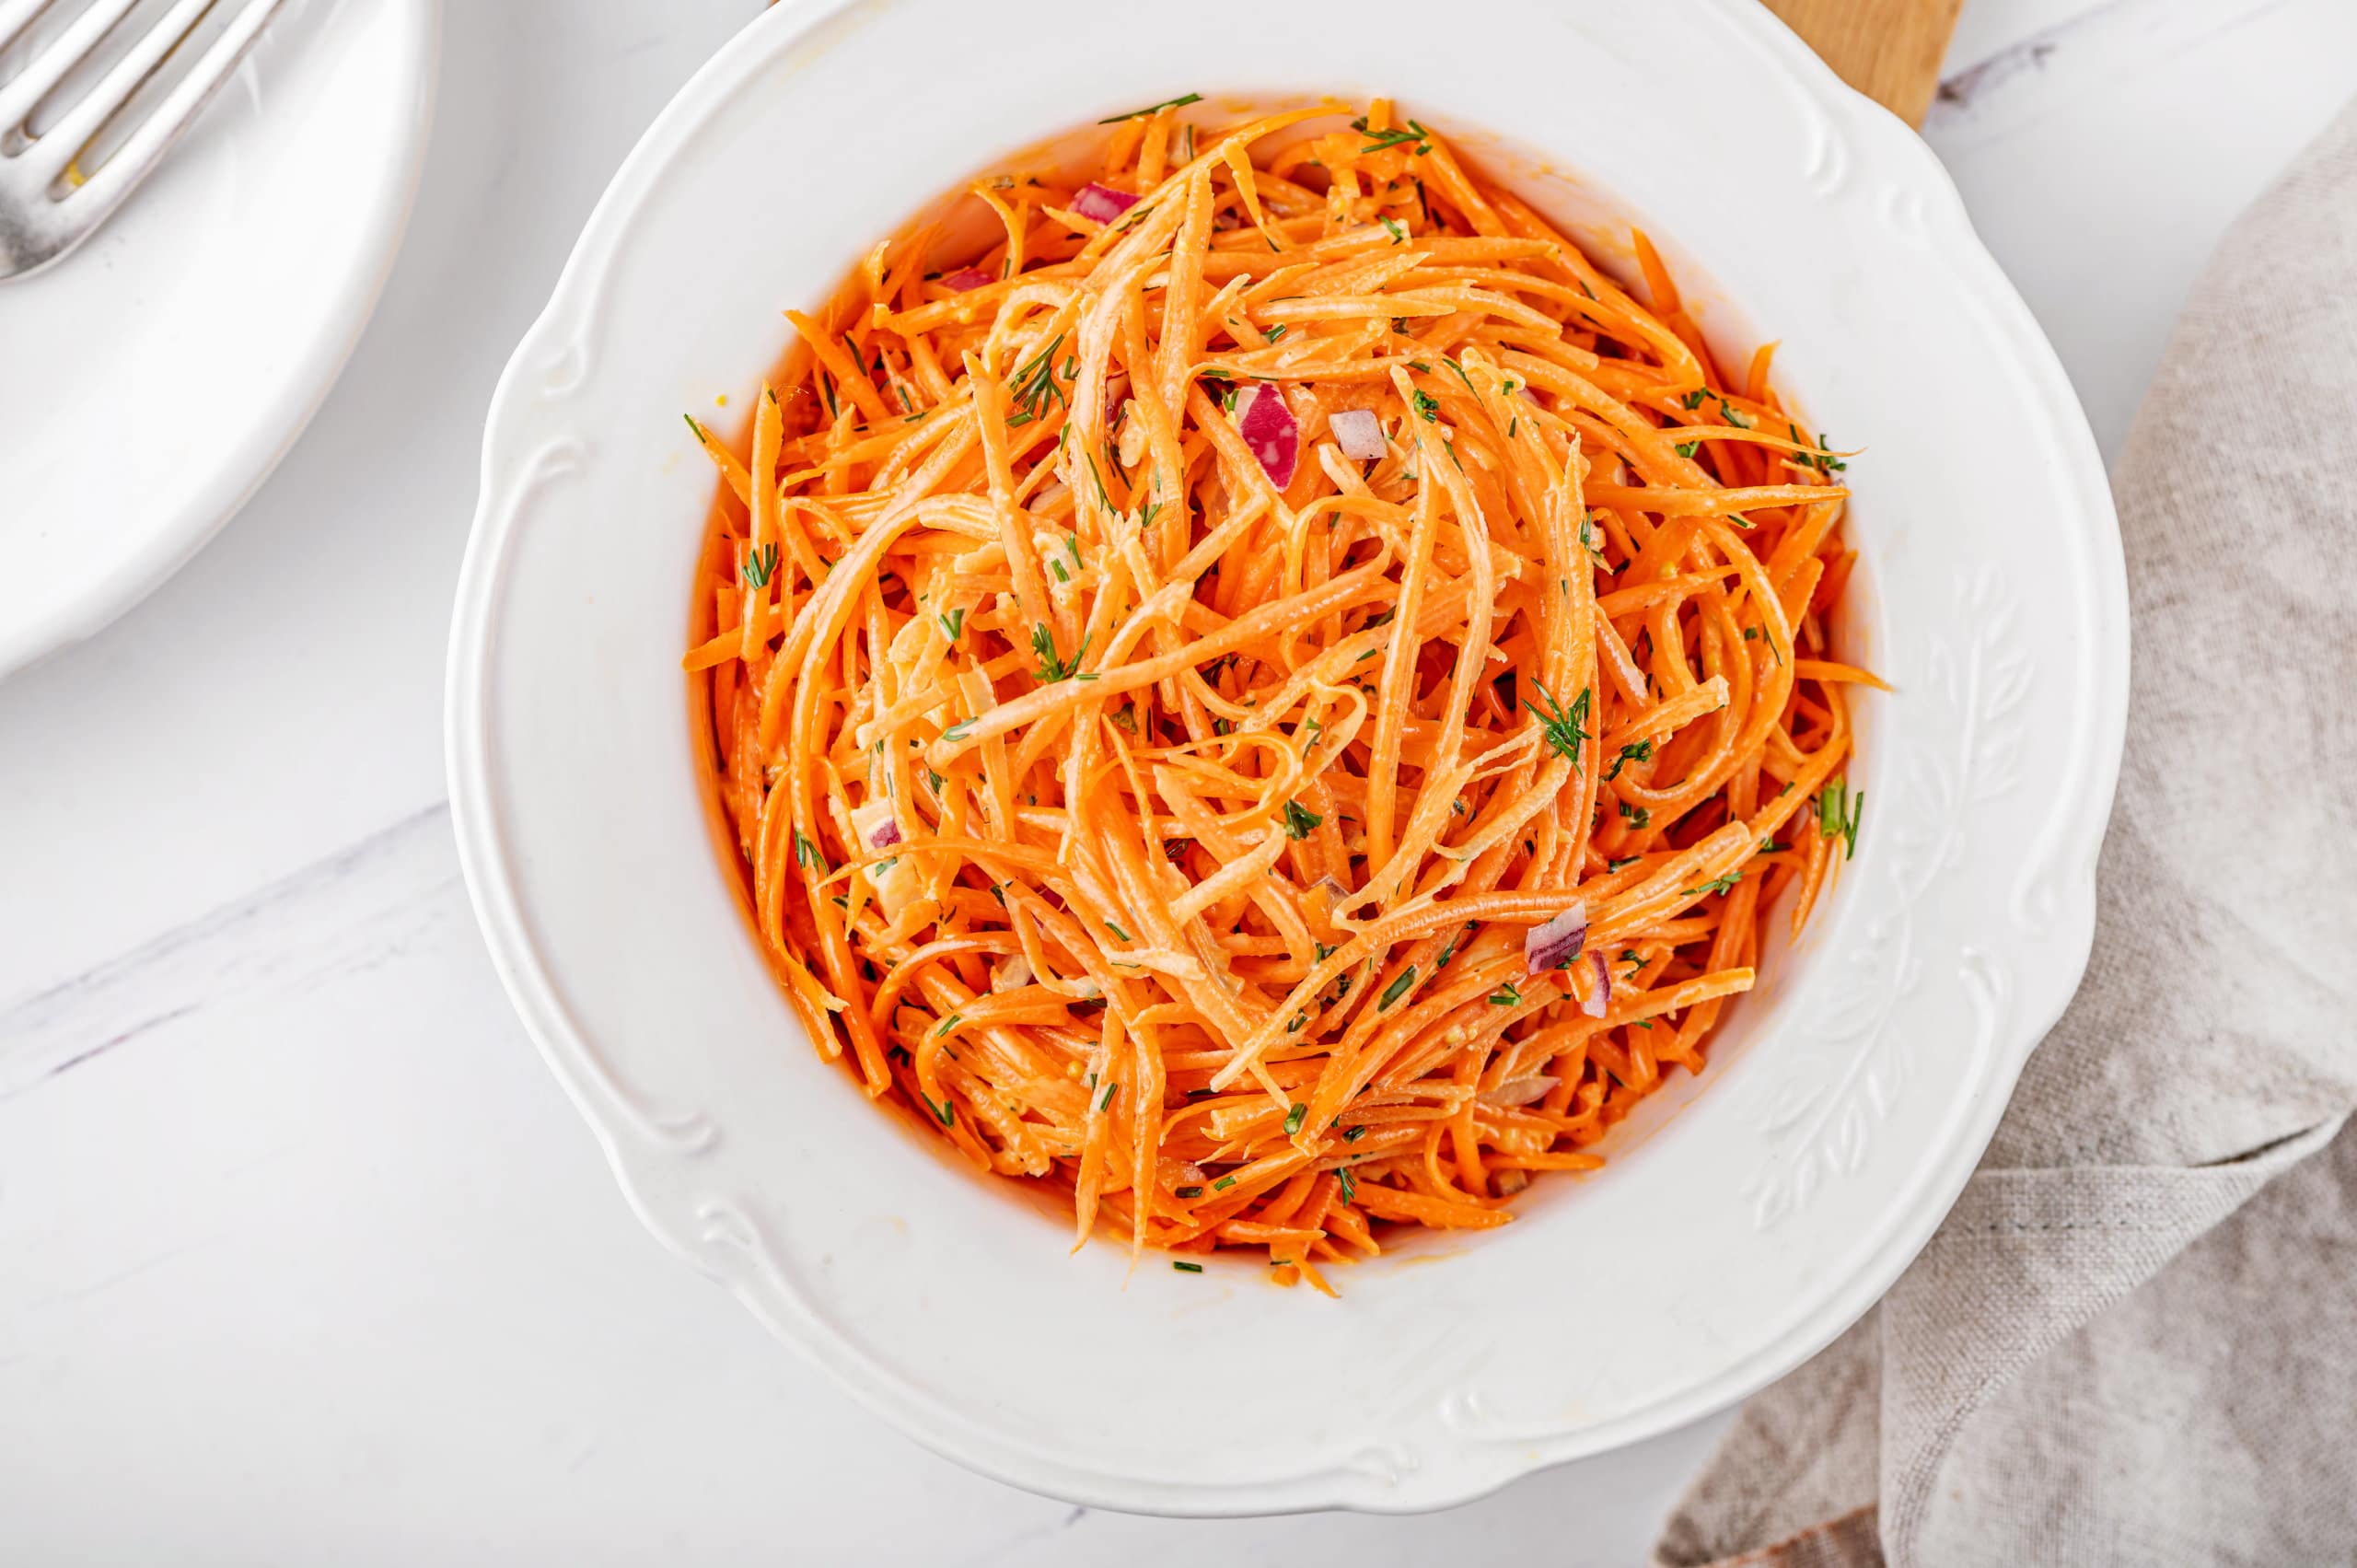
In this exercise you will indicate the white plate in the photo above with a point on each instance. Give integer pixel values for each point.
(1746, 1218)
(151, 380)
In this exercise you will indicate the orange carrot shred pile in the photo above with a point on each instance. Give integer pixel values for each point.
(1154, 817)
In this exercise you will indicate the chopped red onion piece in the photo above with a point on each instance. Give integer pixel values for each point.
(1117, 387)
(965, 278)
(1268, 427)
(1101, 204)
(1358, 432)
(885, 837)
(1601, 997)
(1554, 945)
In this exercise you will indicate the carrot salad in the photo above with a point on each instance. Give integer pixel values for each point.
(1275, 697)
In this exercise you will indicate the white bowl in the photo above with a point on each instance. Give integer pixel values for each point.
(1745, 1218)
(229, 291)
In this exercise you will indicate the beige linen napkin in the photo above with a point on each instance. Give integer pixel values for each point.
(2134, 1340)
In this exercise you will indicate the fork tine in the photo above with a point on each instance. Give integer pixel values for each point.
(143, 147)
(20, 96)
(15, 15)
(60, 143)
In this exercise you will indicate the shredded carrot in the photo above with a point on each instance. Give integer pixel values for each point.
(1154, 800)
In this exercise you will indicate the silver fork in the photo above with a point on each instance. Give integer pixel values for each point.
(43, 212)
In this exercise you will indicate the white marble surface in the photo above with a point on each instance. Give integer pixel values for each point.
(303, 1256)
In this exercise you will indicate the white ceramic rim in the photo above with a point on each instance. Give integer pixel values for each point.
(2083, 768)
(207, 505)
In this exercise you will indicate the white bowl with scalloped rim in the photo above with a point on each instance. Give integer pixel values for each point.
(1745, 1218)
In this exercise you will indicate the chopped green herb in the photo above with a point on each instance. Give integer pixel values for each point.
(1686, 448)
(1715, 885)
(959, 731)
(1292, 1117)
(953, 623)
(1638, 751)
(1274, 334)
(1223, 1184)
(1107, 1103)
(1565, 727)
(761, 565)
(1397, 989)
(1052, 669)
(1352, 1135)
(805, 854)
(1117, 931)
(1625, 859)
(1505, 995)
(1186, 1191)
(1378, 140)
(1298, 822)
(1637, 816)
(945, 1112)
(1820, 460)
(1184, 1267)
(1349, 1182)
(1838, 812)
(1035, 382)
(1398, 237)
(1427, 406)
